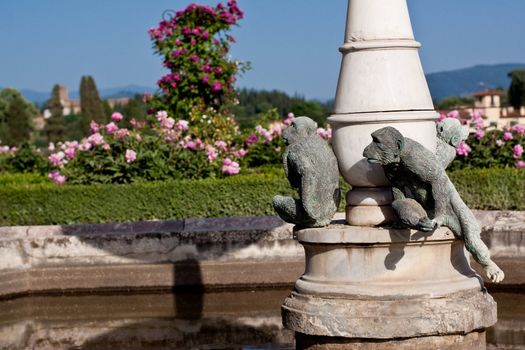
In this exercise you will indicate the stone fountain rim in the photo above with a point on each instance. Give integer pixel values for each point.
(338, 233)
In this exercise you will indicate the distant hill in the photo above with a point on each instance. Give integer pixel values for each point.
(464, 82)
(121, 91)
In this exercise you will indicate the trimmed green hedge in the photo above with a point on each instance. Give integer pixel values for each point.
(42, 204)
(491, 189)
(35, 203)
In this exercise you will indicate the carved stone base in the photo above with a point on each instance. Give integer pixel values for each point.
(378, 285)
(470, 341)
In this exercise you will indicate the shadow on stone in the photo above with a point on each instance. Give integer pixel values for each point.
(461, 264)
(400, 238)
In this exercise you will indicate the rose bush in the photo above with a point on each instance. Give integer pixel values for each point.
(158, 149)
(488, 147)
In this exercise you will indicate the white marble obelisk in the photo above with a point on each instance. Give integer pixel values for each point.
(381, 83)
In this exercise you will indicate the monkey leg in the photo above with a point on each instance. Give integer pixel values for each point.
(291, 210)
(481, 254)
(411, 214)
(471, 234)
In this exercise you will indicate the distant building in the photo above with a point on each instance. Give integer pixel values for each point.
(489, 103)
(72, 106)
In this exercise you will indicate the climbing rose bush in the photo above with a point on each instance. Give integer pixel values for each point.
(194, 45)
(488, 147)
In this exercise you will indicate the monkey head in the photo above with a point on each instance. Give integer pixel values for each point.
(387, 144)
(300, 127)
(451, 131)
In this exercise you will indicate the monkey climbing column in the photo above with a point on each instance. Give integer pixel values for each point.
(381, 82)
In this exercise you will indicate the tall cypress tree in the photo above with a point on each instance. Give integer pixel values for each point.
(90, 103)
(19, 118)
(517, 89)
(55, 125)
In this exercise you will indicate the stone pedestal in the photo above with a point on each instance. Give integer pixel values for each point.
(366, 287)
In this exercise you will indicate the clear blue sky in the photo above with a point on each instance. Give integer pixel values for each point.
(292, 44)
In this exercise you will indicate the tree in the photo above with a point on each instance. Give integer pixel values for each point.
(136, 109)
(55, 125)
(19, 121)
(252, 103)
(90, 103)
(516, 93)
(16, 117)
(455, 102)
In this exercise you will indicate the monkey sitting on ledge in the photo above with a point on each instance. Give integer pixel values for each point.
(424, 196)
(311, 167)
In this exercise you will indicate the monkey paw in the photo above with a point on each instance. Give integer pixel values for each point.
(426, 225)
(438, 221)
(494, 273)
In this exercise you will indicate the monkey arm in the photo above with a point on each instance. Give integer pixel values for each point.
(311, 192)
(293, 169)
(285, 161)
(445, 153)
(441, 193)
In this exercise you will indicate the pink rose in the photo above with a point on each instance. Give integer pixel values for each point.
(241, 153)
(479, 134)
(191, 145)
(289, 119)
(463, 149)
(130, 156)
(221, 145)
(230, 167)
(250, 140)
(520, 164)
(56, 158)
(519, 129)
(211, 153)
(121, 133)
(181, 125)
(96, 139)
(57, 178)
(94, 127)
(507, 135)
(216, 86)
(167, 123)
(111, 128)
(85, 145)
(453, 114)
(117, 117)
(70, 152)
(517, 151)
(162, 115)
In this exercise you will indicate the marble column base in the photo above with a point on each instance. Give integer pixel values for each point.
(378, 285)
(369, 206)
